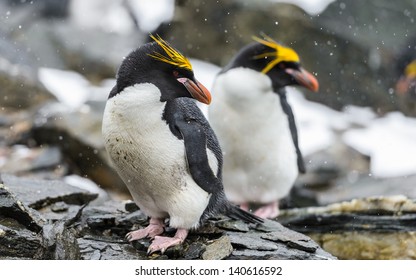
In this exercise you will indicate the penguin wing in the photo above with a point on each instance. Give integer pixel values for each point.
(195, 140)
(292, 126)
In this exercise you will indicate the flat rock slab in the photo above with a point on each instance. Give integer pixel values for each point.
(72, 231)
(373, 228)
(12, 207)
(218, 249)
(96, 249)
(18, 242)
(39, 193)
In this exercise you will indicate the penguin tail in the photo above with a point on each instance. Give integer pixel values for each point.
(240, 214)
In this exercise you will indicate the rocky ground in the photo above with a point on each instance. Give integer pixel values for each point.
(61, 199)
(50, 219)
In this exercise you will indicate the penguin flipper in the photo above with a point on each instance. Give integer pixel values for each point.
(293, 130)
(195, 141)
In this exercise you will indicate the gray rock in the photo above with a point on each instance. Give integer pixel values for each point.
(106, 250)
(278, 233)
(18, 242)
(195, 250)
(280, 254)
(250, 240)
(35, 159)
(39, 193)
(78, 135)
(18, 77)
(12, 207)
(97, 59)
(137, 217)
(233, 225)
(218, 249)
(385, 225)
(60, 242)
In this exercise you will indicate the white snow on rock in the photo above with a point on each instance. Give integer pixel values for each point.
(312, 7)
(390, 142)
(69, 87)
(73, 89)
(151, 13)
(120, 16)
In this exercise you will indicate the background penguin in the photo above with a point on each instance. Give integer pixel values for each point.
(162, 146)
(255, 124)
(406, 77)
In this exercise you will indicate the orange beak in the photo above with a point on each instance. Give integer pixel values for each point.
(404, 84)
(304, 78)
(197, 90)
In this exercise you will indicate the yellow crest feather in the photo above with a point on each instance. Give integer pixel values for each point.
(410, 70)
(281, 54)
(172, 56)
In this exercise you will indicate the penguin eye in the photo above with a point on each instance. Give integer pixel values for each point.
(175, 74)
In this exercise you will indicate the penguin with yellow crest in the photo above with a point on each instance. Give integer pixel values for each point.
(163, 147)
(255, 124)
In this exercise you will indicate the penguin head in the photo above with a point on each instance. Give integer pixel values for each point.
(160, 64)
(407, 80)
(281, 64)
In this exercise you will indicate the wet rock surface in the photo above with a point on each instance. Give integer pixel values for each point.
(61, 199)
(373, 228)
(64, 226)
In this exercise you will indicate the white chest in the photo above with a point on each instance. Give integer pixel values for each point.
(260, 161)
(149, 158)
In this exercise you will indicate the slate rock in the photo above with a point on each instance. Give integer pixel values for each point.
(282, 253)
(60, 242)
(364, 186)
(218, 249)
(294, 240)
(16, 241)
(233, 225)
(23, 159)
(39, 193)
(194, 250)
(78, 134)
(99, 58)
(131, 219)
(91, 249)
(20, 85)
(12, 207)
(278, 233)
(250, 240)
(378, 224)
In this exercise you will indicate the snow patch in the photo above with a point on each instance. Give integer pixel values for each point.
(389, 142)
(312, 7)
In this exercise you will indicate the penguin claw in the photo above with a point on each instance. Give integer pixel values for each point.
(152, 230)
(161, 243)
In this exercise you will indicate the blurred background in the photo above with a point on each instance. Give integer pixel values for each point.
(58, 61)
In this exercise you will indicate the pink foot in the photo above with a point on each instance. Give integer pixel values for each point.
(161, 243)
(155, 227)
(245, 206)
(269, 211)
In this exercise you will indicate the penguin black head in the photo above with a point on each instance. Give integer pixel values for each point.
(280, 63)
(160, 64)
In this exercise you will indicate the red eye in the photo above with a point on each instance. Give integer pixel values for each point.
(176, 74)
